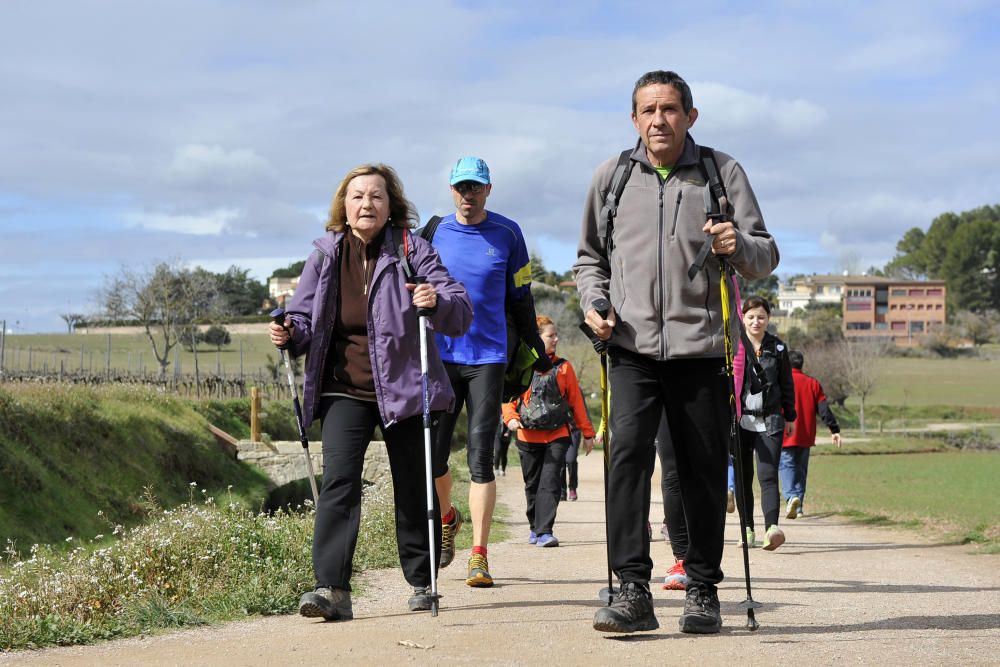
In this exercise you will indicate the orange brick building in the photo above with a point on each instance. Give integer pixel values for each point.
(903, 310)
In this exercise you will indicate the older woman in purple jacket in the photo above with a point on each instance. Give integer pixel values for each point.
(354, 313)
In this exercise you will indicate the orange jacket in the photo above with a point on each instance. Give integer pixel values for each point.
(569, 387)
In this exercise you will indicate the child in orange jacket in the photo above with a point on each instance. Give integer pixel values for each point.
(543, 452)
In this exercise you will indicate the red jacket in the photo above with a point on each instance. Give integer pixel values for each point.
(569, 387)
(809, 400)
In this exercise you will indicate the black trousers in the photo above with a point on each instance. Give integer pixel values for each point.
(571, 479)
(500, 446)
(542, 469)
(348, 426)
(768, 448)
(670, 486)
(694, 397)
(478, 388)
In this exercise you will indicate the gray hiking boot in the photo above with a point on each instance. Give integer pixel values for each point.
(630, 611)
(701, 609)
(421, 600)
(333, 604)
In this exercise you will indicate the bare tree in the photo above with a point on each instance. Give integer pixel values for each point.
(163, 299)
(71, 320)
(862, 369)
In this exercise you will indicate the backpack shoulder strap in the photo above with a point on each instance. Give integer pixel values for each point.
(427, 231)
(619, 179)
(716, 203)
(716, 188)
(399, 242)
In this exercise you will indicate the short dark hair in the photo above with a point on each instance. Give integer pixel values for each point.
(668, 78)
(796, 359)
(756, 301)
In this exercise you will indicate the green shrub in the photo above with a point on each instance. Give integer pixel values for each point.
(196, 563)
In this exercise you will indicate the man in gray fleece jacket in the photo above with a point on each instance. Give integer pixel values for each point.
(666, 341)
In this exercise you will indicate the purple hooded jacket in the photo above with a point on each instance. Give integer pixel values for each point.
(393, 332)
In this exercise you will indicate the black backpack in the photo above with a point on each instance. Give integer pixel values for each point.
(546, 408)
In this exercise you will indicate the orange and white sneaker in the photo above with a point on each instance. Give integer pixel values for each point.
(676, 579)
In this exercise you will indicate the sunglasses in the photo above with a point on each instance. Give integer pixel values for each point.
(466, 187)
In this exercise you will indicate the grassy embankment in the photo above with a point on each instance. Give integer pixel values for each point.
(75, 463)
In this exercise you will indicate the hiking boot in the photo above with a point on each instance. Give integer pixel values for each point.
(773, 538)
(547, 540)
(479, 572)
(448, 532)
(701, 610)
(572, 494)
(751, 539)
(630, 611)
(333, 604)
(676, 579)
(532, 537)
(730, 502)
(792, 510)
(562, 496)
(422, 599)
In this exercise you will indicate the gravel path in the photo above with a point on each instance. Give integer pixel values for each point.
(833, 594)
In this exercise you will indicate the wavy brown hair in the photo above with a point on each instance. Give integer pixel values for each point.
(402, 212)
(542, 321)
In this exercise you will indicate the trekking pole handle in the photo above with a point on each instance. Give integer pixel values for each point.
(422, 312)
(278, 317)
(602, 306)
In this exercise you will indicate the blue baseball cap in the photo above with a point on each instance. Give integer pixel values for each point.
(470, 169)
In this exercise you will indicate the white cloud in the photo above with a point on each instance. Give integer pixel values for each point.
(213, 167)
(209, 223)
(730, 109)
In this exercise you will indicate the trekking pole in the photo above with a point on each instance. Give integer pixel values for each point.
(278, 315)
(603, 307)
(734, 436)
(432, 515)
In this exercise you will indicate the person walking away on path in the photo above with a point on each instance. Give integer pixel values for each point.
(501, 445)
(486, 251)
(570, 477)
(354, 314)
(543, 436)
(794, 464)
(666, 341)
(767, 415)
(674, 529)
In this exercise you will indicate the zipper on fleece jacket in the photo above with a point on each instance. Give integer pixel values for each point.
(659, 270)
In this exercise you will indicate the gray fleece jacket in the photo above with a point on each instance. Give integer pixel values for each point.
(657, 234)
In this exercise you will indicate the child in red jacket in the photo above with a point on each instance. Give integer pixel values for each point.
(543, 452)
(794, 463)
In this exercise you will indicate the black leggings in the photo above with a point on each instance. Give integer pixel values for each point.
(348, 426)
(478, 388)
(768, 448)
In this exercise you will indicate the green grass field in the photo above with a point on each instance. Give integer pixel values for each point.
(915, 382)
(950, 496)
(128, 351)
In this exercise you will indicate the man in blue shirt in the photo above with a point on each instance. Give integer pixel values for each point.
(487, 253)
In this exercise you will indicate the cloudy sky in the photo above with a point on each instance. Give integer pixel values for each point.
(214, 132)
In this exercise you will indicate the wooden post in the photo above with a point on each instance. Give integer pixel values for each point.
(254, 414)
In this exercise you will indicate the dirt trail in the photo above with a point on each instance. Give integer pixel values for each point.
(833, 594)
